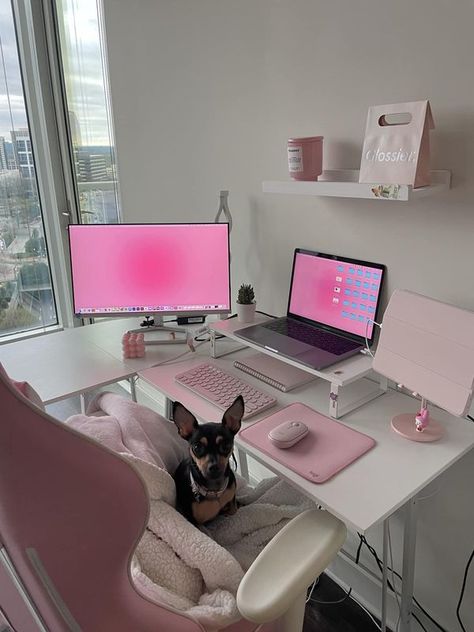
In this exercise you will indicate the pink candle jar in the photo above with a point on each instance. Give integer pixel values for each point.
(305, 157)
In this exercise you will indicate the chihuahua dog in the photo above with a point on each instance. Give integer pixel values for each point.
(205, 483)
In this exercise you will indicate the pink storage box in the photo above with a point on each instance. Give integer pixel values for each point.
(305, 157)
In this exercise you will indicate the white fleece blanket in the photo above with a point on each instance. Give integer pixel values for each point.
(190, 569)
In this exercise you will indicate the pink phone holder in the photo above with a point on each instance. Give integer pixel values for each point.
(305, 157)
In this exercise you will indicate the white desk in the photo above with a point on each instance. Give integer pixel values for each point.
(371, 489)
(73, 361)
(364, 494)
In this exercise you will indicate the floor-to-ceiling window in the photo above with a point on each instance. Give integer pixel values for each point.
(91, 132)
(27, 298)
(58, 65)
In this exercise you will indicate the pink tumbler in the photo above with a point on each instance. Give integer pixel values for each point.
(305, 157)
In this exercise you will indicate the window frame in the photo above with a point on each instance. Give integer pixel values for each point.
(37, 34)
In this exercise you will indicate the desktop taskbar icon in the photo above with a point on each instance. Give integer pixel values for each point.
(148, 308)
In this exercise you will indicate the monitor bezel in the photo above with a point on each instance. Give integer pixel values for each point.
(129, 314)
(331, 328)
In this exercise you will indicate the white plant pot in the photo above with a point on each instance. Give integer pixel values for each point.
(246, 313)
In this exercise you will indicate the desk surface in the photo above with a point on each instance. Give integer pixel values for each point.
(366, 492)
(65, 363)
(373, 487)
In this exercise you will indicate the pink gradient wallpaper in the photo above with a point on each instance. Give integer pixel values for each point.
(335, 293)
(153, 267)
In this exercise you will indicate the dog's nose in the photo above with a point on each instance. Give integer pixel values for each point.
(214, 469)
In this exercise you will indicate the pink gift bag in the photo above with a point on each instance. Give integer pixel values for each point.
(397, 144)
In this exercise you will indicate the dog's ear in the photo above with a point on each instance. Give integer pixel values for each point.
(184, 420)
(233, 415)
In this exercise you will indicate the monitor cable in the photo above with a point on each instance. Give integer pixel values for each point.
(346, 596)
(328, 603)
(257, 311)
(392, 588)
(367, 349)
(463, 587)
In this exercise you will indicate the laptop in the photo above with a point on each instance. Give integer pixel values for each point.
(332, 304)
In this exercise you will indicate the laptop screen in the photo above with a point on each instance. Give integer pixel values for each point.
(334, 291)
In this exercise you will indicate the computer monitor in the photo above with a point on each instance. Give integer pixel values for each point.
(336, 292)
(127, 269)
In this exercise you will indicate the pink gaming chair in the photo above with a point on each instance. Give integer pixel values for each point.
(67, 537)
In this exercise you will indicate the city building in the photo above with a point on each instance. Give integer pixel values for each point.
(3, 154)
(91, 167)
(23, 153)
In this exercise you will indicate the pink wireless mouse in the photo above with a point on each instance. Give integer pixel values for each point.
(288, 433)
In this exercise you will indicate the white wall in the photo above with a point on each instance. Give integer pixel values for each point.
(205, 94)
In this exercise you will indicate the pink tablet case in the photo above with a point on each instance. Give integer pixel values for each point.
(327, 448)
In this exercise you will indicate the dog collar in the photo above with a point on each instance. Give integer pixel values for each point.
(202, 492)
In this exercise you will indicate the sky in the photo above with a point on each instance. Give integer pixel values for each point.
(9, 76)
(83, 69)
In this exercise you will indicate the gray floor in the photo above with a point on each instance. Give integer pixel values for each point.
(345, 616)
(64, 409)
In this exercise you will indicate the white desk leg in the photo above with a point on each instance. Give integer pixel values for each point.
(133, 390)
(384, 575)
(82, 399)
(408, 571)
(168, 408)
(243, 463)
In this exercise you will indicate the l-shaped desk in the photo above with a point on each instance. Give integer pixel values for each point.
(366, 493)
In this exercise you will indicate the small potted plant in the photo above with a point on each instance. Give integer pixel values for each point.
(246, 304)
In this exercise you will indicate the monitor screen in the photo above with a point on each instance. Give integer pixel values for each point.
(334, 291)
(122, 269)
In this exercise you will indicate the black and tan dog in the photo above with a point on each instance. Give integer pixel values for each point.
(205, 483)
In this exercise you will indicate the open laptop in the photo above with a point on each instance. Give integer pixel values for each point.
(332, 303)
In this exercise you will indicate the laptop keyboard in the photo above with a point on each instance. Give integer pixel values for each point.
(310, 335)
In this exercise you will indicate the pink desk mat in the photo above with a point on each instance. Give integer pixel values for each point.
(327, 448)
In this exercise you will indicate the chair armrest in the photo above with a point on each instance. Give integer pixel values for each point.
(285, 568)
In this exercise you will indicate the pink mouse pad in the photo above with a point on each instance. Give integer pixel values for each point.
(327, 448)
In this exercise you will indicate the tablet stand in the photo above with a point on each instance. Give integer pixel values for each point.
(429, 347)
(419, 427)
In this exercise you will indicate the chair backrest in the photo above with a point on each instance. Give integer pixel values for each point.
(71, 514)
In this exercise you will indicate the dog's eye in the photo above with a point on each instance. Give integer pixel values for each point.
(224, 448)
(199, 449)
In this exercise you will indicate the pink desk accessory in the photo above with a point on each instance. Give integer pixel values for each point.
(133, 345)
(427, 347)
(305, 157)
(328, 447)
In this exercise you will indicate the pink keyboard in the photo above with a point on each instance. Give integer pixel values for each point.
(221, 388)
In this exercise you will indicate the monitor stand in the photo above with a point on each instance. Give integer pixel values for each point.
(156, 323)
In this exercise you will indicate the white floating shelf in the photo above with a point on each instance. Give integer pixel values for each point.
(345, 183)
